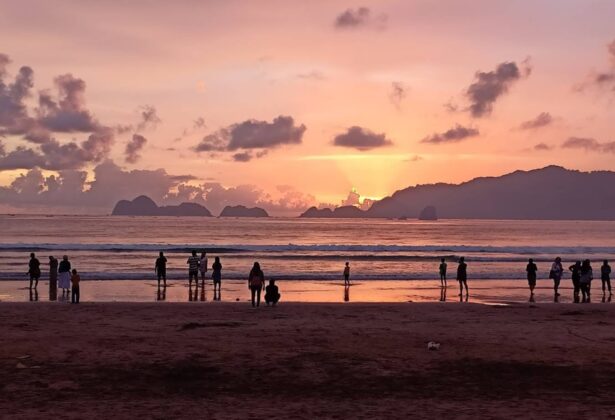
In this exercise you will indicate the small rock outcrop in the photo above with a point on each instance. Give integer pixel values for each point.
(243, 211)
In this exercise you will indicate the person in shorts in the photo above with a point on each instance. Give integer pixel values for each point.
(193, 268)
(160, 268)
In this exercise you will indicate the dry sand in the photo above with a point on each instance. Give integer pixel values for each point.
(225, 360)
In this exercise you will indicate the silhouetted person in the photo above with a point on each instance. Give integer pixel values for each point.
(216, 275)
(256, 281)
(585, 280)
(462, 276)
(53, 278)
(203, 267)
(605, 276)
(193, 269)
(64, 276)
(34, 270)
(272, 294)
(160, 268)
(531, 270)
(347, 274)
(443, 267)
(75, 289)
(576, 278)
(556, 273)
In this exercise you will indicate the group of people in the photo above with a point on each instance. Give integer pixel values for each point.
(581, 275)
(61, 275)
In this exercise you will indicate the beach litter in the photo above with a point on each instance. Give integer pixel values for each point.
(432, 345)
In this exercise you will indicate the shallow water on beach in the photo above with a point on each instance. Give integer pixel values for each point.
(481, 291)
(124, 248)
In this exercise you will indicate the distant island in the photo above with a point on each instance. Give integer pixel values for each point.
(145, 206)
(550, 193)
(243, 211)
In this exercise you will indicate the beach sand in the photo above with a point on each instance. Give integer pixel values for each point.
(302, 360)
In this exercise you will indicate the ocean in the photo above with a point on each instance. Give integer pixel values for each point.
(125, 248)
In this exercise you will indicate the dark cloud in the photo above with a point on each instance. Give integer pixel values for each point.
(541, 120)
(358, 18)
(253, 135)
(14, 117)
(361, 139)
(489, 86)
(398, 94)
(149, 118)
(453, 135)
(542, 147)
(67, 112)
(586, 143)
(199, 123)
(53, 155)
(242, 157)
(133, 147)
(604, 80)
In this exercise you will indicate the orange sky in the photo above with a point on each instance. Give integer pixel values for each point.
(232, 61)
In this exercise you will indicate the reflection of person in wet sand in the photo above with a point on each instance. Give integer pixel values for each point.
(443, 294)
(347, 293)
(160, 268)
(347, 274)
(443, 267)
(462, 276)
(161, 293)
(34, 270)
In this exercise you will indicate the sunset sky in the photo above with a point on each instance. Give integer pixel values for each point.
(287, 104)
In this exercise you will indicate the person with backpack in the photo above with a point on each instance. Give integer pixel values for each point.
(256, 281)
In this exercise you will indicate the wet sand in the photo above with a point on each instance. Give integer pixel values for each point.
(301, 360)
(377, 291)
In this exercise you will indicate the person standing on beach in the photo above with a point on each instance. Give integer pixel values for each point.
(160, 268)
(203, 267)
(585, 280)
(576, 277)
(256, 281)
(462, 276)
(556, 274)
(34, 270)
(74, 291)
(217, 276)
(53, 277)
(347, 274)
(531, 275)
(193, 269)
(64, 276)
(443, 267)
(605, 276)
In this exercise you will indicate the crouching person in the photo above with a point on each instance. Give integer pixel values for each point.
(272, 295)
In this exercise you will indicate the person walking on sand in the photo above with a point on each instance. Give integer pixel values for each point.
(347, 274)
(605, 276)
(193, 269)
(203, 267)
(576, 277)
(34, 270)
(216, 275)
(585, 280)
(53, 277)
(256, 281)
(556, 274)
(64, 276)
(272, 293)
(74, 291)
(531, 270)
(443, 267)
(160, 268)
(462, 276)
